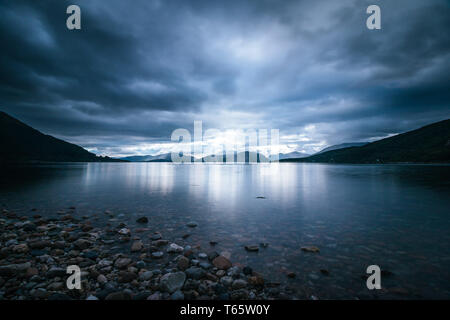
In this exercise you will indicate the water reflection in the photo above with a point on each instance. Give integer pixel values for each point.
(394, 215)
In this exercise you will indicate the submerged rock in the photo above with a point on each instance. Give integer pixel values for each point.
(142, 220)
(137, 246)
(174, 248)
(172, 282)
(252, 248)
(221, 262)
(192, 224)
(157, 254)
(312, 249)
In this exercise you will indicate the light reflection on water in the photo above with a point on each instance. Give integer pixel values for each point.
(396, 216)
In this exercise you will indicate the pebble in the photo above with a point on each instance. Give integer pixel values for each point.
(102, 279)
(157, 254)
(142, 220)
(145, 276)
(202, 256)
(124, 231)
(310, 249)
(177, 295)
(183, 263)
(174, 248)
(122, 263)
(252, 248)
(195, 273)
(172, 282)
(239, 284)
(221, 262)
(192, 224)
(137, 246)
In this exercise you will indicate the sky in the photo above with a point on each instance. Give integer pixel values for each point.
(137, 70)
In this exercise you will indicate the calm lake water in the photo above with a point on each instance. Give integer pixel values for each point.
(394, 216)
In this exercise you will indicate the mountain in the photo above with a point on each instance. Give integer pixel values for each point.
(21, 143)
(137, 158)
(147, 158)
(342, 146)
(166, 157)
(240, 157)
(293, 155)
(429, 144)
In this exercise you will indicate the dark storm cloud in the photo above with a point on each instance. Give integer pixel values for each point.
(138, 70)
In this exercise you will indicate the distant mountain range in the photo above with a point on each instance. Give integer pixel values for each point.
(237, 157)
(148, 158)
(429, 144)
(293, 155)
(342, 146)
(21, 143)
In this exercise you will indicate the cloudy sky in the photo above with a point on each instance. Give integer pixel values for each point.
(139, 69)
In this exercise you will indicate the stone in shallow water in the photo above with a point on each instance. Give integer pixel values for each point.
(157, 254)
(183, 263)
(226, 281)
(174, 248)
(312, 249)
(137, 246)
(195, 273)
(142, 220)
(324, 272)
(256, 280)
(56, 272)
(102, 279)
(156, 236)
(192, 224)
(205, 265)
(146, 276)
(172, 282)
(212, 255)
(239, 284)
(252, 248)
(177, 295)
(122, 263)
(126, 277)
(124, 231)
(203, 255)
(105, 263)
(221, 262)
(161, 243)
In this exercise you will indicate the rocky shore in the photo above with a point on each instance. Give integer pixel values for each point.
(117, 262)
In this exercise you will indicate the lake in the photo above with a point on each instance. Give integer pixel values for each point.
(394, 216)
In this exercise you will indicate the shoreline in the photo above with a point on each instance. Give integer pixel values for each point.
(117, 264)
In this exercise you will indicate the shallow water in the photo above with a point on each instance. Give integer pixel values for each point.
(394, 216)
